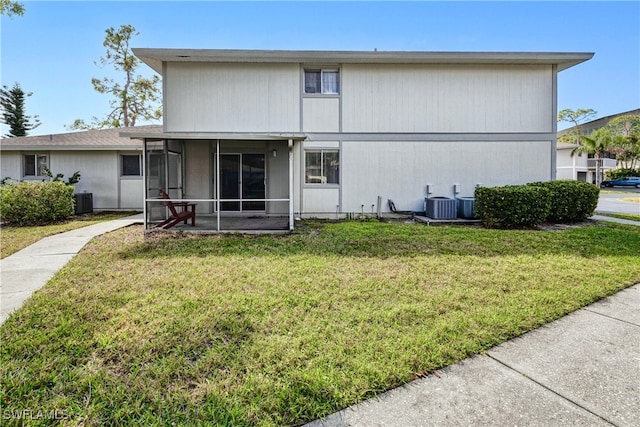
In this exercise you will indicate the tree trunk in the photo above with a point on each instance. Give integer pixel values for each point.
(598, 160)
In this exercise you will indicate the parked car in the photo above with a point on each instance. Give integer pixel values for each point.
(629, 181)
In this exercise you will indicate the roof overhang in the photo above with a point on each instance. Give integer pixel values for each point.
(243, 136)
(41, 147)
(155, 57)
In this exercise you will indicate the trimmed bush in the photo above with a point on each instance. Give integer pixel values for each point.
(512, 206)
(571, 201)
(36, 203)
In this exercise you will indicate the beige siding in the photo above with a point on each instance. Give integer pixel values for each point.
(232, 97)
(321, 114)
(451, 98)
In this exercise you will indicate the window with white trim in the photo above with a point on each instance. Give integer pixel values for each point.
(322, 167)
(321, 81)
(131, 164)
(35, 164)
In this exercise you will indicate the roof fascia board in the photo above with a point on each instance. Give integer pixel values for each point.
(155, 57)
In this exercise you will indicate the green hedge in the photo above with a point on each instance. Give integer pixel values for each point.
(512, 206)
(621, 173)
(571, 201)
(36, 203)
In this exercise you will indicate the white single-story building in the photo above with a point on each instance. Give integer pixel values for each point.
(110, 165)
(261, 135)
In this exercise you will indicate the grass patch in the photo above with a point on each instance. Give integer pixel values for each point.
(631, 199)
(12, 239)
(631, 217)
(266, 330)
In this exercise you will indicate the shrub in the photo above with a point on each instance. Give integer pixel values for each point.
(621, 173)
(36, 203)
(512, 206)
(571, 201)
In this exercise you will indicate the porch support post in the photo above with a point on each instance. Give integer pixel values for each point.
(291, 184)
(218, 184)
(145, 190)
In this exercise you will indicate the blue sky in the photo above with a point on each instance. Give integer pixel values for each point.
(51, 50)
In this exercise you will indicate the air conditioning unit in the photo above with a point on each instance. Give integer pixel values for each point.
(441, 207)
(465, 207)
(84, 203)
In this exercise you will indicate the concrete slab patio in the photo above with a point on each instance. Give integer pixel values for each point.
(26, 271)
(583, 369)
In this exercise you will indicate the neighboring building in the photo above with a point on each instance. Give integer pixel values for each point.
(110, 165)
(279, 134)
(582, 167)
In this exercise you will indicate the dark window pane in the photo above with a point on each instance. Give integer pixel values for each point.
(131, 165)
(313, 167)
(29, 165)
(253, 176)
(332, 167)
(312, 82)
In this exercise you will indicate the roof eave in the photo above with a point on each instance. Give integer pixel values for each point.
(270, 136)
(155, 57)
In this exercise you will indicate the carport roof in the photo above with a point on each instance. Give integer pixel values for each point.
(155, 57)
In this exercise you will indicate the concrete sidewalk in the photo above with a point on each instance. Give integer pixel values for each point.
(26, 271)
(583, 369)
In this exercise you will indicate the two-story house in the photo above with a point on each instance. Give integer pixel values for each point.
(267, 136)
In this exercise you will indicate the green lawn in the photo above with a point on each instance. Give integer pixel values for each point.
(12, 239)
(631, 217)
(281, 330)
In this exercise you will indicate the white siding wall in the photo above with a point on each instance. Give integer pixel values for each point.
(321, 114)
(447, 98)
(131, 193)
(198, 182)
(10, 165)
(232, 97)
(400, 170)
(99, 170)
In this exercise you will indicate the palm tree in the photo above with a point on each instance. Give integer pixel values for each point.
(595, 144)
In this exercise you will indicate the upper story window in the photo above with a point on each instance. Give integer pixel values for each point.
(35, 164)
(322, 81)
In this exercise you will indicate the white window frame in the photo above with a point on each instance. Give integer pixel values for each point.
(321, 178)
(323, 90)
(36, 175)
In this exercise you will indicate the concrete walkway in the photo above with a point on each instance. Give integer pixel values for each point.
(26, 271)
(581, 370)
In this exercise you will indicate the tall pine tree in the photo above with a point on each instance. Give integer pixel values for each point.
(13, 111)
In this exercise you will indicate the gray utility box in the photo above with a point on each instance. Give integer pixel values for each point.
(465, 207)
(441, 208)
(84, 203)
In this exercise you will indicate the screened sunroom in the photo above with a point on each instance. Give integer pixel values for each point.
(231, 183)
